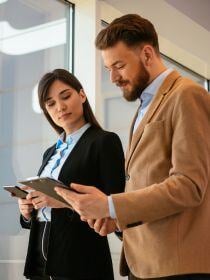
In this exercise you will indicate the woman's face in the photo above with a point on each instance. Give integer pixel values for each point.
(65, 106)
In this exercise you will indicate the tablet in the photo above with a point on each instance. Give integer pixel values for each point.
(46, 185)
(16, 191)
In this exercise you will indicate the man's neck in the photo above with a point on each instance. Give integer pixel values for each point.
(156, 71)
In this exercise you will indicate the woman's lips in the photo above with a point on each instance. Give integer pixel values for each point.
(64, 116)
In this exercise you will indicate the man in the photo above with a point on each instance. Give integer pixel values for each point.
(165, 212)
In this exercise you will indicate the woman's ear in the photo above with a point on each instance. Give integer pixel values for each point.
(82, 95)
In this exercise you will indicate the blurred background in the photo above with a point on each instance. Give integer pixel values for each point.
(37, 36)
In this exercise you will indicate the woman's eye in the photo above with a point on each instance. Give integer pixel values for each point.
(66, 96)
(50, 104)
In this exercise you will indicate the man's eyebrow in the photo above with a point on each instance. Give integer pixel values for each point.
(114, 64)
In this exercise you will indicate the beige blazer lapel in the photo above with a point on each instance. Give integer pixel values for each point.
(131, 132)
(155, 104)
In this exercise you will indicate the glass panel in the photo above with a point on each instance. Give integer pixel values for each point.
(34, 39)
(184, 71)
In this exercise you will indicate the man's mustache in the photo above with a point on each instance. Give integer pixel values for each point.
(121, 83)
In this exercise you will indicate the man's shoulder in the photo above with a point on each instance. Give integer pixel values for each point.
(185, 88)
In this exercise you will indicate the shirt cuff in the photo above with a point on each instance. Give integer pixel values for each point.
(26, 221)
(112, 212)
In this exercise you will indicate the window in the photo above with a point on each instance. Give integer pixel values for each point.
(170, 63)
(35, 37)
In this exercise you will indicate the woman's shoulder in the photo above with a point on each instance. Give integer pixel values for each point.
(102, 139)
(101, 134)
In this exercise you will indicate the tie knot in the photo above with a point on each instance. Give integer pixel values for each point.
(62, 145)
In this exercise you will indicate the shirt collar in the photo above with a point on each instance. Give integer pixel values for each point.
(73, 137)
(152, 88)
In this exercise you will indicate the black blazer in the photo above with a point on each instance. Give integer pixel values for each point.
(74, 249)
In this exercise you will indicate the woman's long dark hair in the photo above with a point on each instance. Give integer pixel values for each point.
(67, 78)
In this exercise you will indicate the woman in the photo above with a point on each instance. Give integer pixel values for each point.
(61, 246)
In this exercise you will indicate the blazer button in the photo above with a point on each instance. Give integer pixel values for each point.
(127, 177)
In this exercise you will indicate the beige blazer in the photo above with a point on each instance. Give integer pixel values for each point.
(168, 185)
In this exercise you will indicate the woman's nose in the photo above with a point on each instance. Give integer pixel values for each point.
(61, 107)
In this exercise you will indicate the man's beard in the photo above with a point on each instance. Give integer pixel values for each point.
(139, 84)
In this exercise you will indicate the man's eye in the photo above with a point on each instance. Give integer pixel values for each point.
(120, 66)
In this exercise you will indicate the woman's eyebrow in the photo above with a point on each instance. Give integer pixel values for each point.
(60, 93)
(63, 91)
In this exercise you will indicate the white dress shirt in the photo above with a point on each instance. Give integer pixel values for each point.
(56, 162)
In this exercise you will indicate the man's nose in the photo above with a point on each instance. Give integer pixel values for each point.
(114, 76)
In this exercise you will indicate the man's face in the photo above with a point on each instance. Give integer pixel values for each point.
(126, 69)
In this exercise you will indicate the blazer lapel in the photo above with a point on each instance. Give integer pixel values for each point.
(46, 158)
(73, 155)
(131, 132)
(155, 104)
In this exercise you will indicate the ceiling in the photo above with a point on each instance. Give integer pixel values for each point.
(196, 10)
(183, 27)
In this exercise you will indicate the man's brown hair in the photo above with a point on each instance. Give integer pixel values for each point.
(130, 29)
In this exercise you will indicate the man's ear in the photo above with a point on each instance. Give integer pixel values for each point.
(147, 54)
